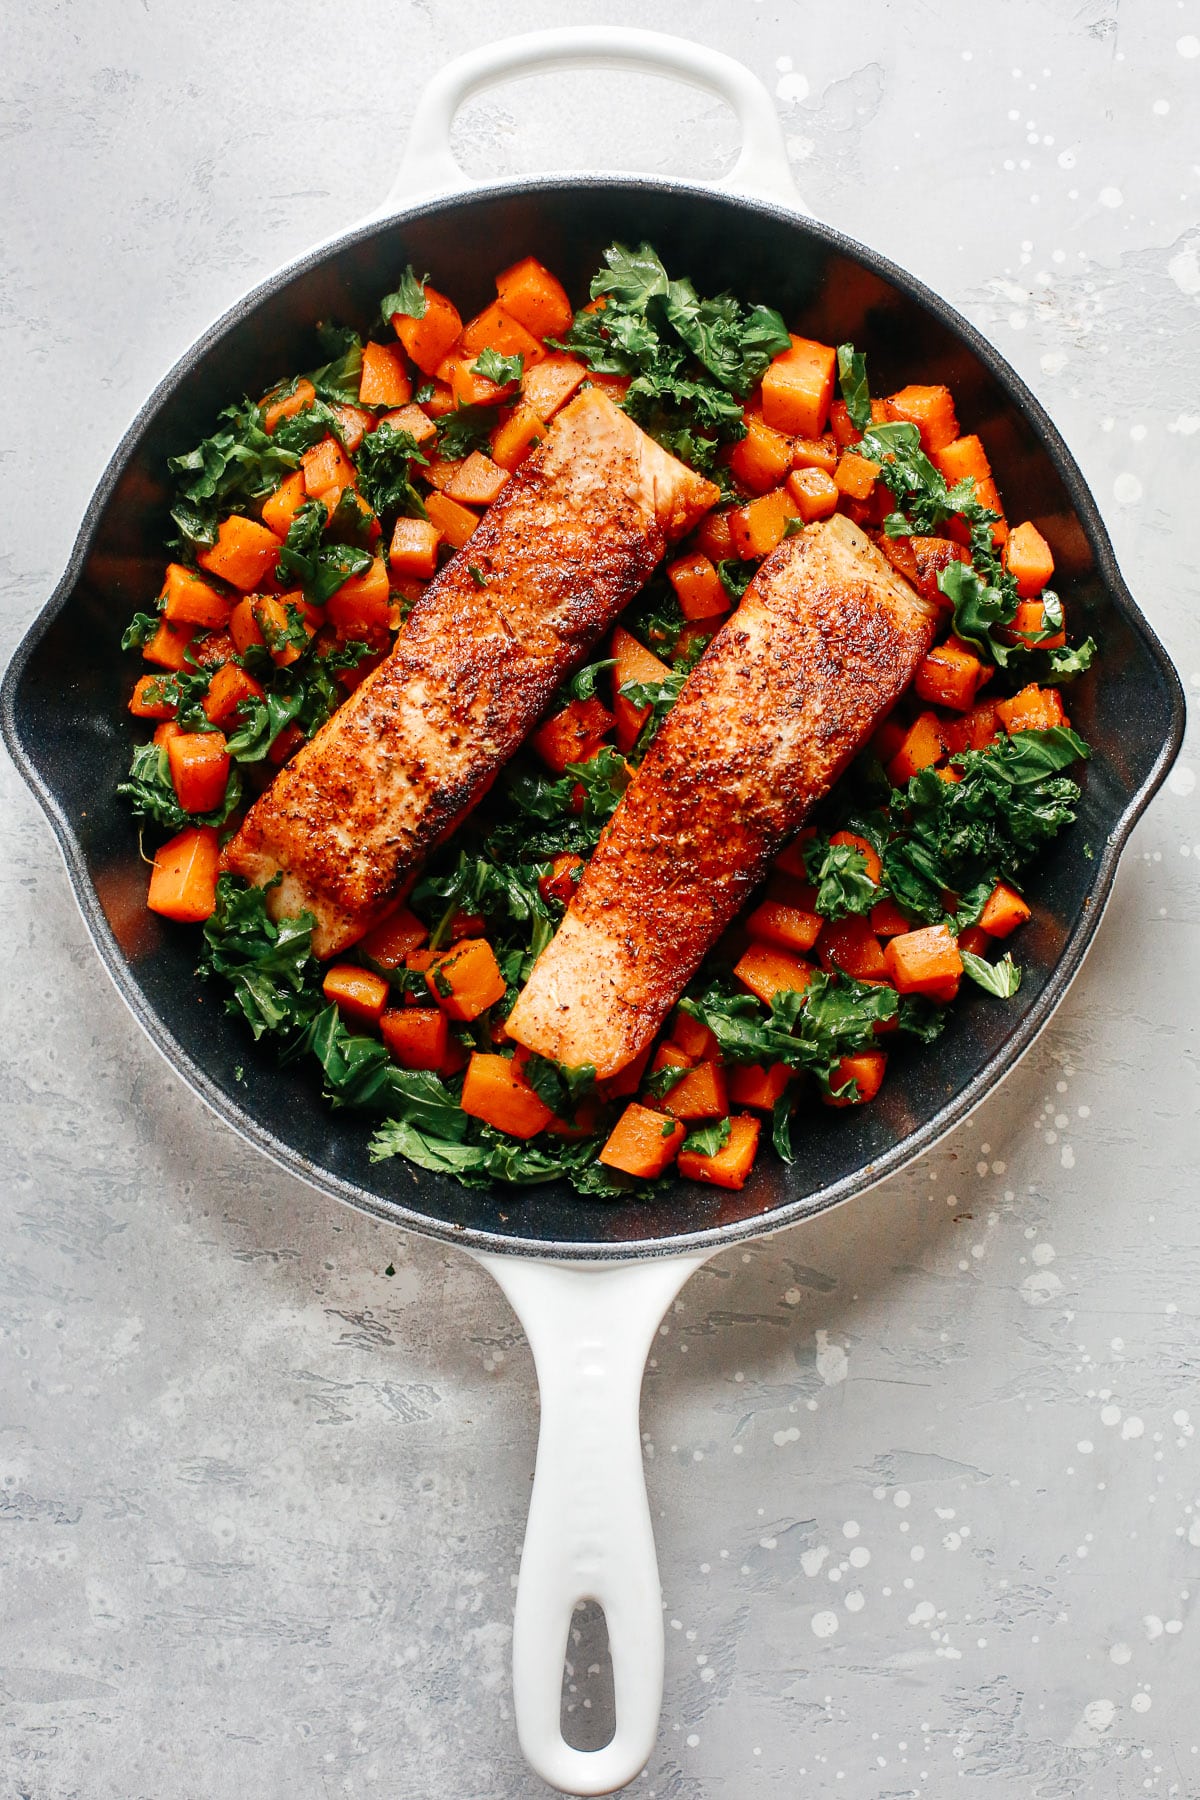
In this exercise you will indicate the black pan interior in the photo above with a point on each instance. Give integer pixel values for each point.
(65, 721)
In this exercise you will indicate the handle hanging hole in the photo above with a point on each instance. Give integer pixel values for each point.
(587, 1718)
(571, 119)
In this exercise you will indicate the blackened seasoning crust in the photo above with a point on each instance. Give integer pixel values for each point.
(573, 536)
(825, 640)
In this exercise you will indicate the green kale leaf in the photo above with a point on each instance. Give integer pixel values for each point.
(268, 964)
(493, 366)
(384, 463)
(151, 794)
(409, 297)
(319, 567)
(1002, 977)
(852, 380)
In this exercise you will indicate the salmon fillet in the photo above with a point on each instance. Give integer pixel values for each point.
(573, 536)
(825, 640)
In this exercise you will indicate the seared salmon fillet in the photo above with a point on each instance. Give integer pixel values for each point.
(573, 536)
(825, 640)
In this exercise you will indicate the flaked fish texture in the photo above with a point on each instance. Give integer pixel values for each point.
(825, 640)
(575, 533)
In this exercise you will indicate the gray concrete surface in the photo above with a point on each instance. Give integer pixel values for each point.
(926, 1472)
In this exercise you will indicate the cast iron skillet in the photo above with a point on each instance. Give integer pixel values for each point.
(64, 720)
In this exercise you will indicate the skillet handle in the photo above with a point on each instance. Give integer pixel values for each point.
(589, 1535)
(428, 164)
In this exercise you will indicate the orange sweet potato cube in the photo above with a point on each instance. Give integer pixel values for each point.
(698, 588)
(730, 1166)
(495, 1091)
(798, 387)
(855, 476)
(384, 380)
(1004, 911)
(358, 994)
(551, 382)
(429, 338)
(1030, 560)
(280, 508)
(417, 1036)
(466, 980)
(759, 526)
(414, 548)
(762, 458)
(866, 1071)
(276, 406)
(700, 1094)
(786, 927)
(814, 493)
(183, 882)
(642, 1142)
(455, 522)
(924, 961)
(950, 675)
(766, 971)
(1033, 709)
(922, 747)
(931, 410)
(535, 298)
(759, 1085)
(326, 466)
(244, 554)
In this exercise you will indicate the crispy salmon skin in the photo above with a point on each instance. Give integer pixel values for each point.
(824, 642)
(573, 536)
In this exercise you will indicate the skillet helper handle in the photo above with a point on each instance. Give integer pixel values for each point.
(589, 1535)
(429, 166)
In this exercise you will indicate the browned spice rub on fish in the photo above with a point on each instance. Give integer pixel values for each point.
(573, 536)
(825, 640)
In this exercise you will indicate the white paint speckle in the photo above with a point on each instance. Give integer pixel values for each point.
(1042, 1254)
(1153, 1626)
(1120, 1654)
(851, 1528)
(1132, 1428)
(792, 87)
(1127, 489)
(812, 1561)
(859, 1557)
(1098, 1715)
(1111, 196)
(1110, 1415)
(1041, 1288)
(901, 1498)
(1188, 46)
(854, 1601)
(1182, 780)
(824, 1624)
(1184, 267)
(1140, 1703)
(832, 1363)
